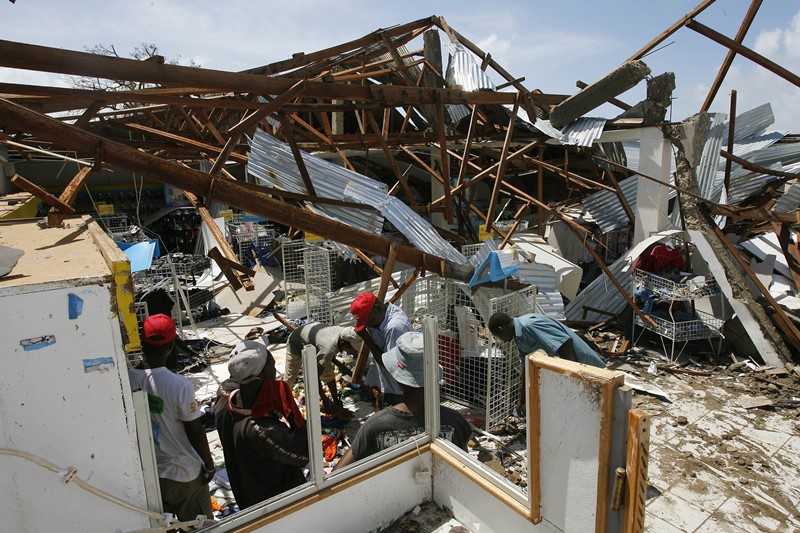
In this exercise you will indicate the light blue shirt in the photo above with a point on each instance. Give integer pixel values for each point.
(394, 324)
(535, 331)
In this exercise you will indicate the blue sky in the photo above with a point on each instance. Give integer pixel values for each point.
(552, 44)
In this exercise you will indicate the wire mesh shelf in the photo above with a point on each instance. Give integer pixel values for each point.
(666, 289)
(705, 326)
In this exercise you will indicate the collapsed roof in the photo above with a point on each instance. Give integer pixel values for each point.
(338, 141)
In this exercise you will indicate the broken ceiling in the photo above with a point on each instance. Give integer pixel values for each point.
(339, 141)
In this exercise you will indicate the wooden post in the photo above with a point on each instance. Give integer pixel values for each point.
(638, 455)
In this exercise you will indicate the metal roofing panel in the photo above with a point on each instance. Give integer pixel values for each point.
(753, 122)
(272, 162)
(415, 228)
(581, 132)
(544, 277)
(790, 200)
(464, 71)
(606, 209)
(706, 170)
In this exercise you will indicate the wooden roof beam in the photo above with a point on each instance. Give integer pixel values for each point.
(755, 57)
(47, 59)
(228, 191)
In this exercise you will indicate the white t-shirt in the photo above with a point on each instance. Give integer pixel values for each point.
(172, 402)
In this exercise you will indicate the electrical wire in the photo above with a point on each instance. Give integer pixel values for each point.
(69, 475)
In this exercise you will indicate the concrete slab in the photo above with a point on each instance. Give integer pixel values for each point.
(677, 512)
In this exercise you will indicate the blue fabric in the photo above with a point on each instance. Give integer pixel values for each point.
(536, 331)
(491, 269)
(394, 324)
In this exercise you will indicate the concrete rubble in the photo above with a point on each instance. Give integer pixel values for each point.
(406, 183)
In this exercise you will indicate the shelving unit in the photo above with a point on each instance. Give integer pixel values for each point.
(679, 327)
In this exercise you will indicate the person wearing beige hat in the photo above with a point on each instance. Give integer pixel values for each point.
(262, 431)
(328, 341)
(397, 423)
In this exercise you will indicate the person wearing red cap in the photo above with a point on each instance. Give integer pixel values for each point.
(380, 325)
(185, 465)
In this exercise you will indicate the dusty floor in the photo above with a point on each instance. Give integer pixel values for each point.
(714, 464)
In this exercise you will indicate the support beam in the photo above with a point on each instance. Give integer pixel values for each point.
(387, 272)
(609, 86)
(41, 194)
(672, 29)
(227, 191)
(501, 170)
(55, 60)
(726, 64)
(755, 57)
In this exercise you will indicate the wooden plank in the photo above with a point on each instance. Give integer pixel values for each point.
(403, 288)
(54, 216)
(791, 251)
(387, 271)
(223, 264)
(187, 141)
(638, 456)
(298, 156)
(669, 31)
(517, 220)
(731, 132)
(755, 57)
(224, 247)
(42, 194)
(728, 61)
(445, 162)
(252, 120)
(370, 263)
(401, 178)
(501, 170)
(462, 170)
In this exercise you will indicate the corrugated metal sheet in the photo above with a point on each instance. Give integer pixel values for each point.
(464, 71)
(753, 122)
(544, 277)
(581, 132)
(782, 157)
(706, 170)
(606, 209)
(416, 229)
(790, 200)
(273, 164)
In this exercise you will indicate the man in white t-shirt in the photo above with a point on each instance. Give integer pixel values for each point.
(184, 460)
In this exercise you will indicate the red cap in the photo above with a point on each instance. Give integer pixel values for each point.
(158, 330)
(361, 308)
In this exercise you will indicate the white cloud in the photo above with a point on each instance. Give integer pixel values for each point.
(768, 43)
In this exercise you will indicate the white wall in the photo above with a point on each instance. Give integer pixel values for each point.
(54, 407)
(376, 501)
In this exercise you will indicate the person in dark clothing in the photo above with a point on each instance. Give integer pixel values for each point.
(405, 363)
(262, 431)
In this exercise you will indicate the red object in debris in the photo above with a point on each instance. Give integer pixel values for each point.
(449, 355)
